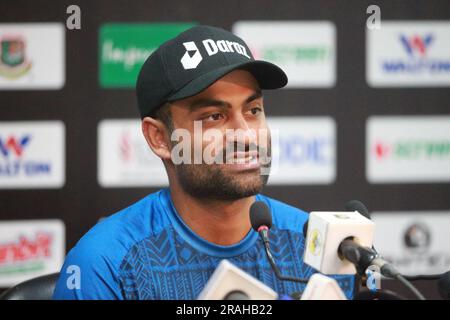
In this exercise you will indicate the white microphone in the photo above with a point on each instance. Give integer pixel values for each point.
(327, 231)
(321, 287)
(228, 282)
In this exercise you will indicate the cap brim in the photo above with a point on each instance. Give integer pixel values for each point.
(268, 75)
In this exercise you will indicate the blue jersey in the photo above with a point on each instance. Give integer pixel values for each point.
(146, 251)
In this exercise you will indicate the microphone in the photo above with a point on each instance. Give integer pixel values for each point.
(352, 205)
(321, 287)
(228, 282)
(371, 255)
(356, 205)
(326, 232)
(236, 295)
(362, 257)
(336, 238)
(261, 220)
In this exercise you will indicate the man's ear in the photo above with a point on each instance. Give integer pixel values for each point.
(155, 133)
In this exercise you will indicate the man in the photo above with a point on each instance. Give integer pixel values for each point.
(167, 245)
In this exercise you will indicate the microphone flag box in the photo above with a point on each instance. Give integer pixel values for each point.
(321, 287)
(228, 279)
(326, 231)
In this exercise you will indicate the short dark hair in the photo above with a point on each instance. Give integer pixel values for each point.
(164, 115)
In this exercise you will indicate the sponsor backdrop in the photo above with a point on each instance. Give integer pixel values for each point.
(366, 115)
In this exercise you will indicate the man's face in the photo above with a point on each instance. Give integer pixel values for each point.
(229, 133)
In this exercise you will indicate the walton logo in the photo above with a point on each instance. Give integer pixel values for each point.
(416, 44)
(11, 144)
(15, 166)
(419, 59)
(192, 57)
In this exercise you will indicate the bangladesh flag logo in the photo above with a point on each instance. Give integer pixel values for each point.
(13, 60)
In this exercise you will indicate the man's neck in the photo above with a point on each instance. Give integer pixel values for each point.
(221, 222)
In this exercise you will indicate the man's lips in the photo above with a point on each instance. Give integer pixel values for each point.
(243, 160)
(242, 157)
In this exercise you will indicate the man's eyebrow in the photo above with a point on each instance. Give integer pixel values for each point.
(206, 102)
(254, 96)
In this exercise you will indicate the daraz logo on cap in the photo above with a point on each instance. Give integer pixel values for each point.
(192, 57)
(191, 61)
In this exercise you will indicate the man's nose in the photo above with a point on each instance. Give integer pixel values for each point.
(240, 131)
(238, 121)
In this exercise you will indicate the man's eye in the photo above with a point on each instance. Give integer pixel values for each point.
(255, 111)
(214, 117)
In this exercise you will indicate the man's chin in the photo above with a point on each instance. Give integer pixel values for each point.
(221, 182)
(248, 183)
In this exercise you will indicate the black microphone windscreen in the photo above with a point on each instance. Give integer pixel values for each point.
(260, 215)
(355, 205)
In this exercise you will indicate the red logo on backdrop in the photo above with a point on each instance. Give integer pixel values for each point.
(14, 145)
(26, 249)
(416, 44)
(382, 150)
(125, 147)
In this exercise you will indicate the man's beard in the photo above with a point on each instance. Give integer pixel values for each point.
(214, 182)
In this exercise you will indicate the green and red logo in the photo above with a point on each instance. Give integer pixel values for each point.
(412, 149)
(13, 60)
(25, 254)
(285, 54)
